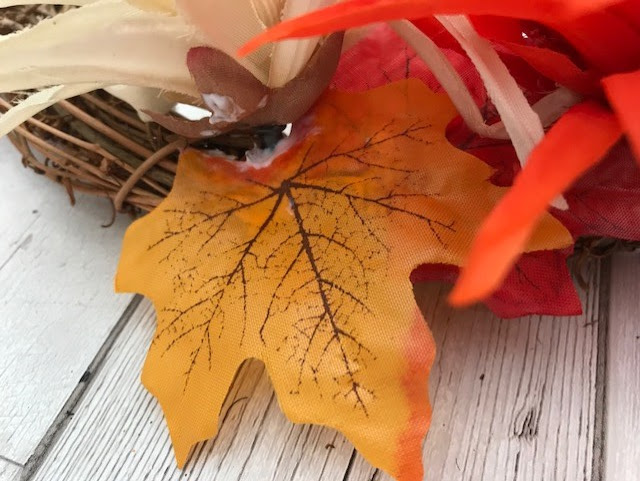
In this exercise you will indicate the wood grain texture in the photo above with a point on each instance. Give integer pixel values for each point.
(514, 400)
(118, 432)
(9, 471)
(56, 299)
(622, 452)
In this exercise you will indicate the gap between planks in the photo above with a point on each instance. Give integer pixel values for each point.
(57, 303)
(514, 401)
(9, 470)
(76, 396)
(10, 461)
(602, 366)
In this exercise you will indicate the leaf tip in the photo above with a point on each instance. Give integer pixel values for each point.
(182, 451)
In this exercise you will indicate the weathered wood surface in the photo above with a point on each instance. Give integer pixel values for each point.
(9, 471)
(532, 399)
(57, 304)
(514, 400)
(622, 460)
(117, 432)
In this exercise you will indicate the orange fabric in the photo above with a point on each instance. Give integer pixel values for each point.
(305, 262)
(353, 13)
(552, 168)
(623, 92)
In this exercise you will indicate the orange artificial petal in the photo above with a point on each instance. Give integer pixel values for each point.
(577, 142)
(355, 13)
(623, 91)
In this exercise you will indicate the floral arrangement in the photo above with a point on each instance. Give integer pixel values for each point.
(456, 140)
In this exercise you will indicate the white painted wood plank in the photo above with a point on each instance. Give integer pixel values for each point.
(9, 471)
(622, 452)
(118, 432)
(57, 303)
(513, 400)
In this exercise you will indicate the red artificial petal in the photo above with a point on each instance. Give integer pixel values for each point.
(559, 66)
(623, 91)
(607, 41)
(355, 13)
(629, 10)
(578, 141)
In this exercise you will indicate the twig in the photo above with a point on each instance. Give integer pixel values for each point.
(146, 165)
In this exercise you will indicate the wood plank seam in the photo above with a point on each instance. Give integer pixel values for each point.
(530, 382)
(61, 421)
(600, 428)
(57, 303)
(347, 473)
(526, 389)
(21, 245)
(11, 461)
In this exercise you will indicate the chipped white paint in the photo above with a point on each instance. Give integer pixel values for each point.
(9, 471)
(263, 102)
(258, 158)
(209, 133)
(56, 299)
(191, 112)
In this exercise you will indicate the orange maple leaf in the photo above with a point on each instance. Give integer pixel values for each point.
(304, 263)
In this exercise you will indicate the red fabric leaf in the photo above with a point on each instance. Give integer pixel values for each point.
(608, 42)
(540, 284)
(578, 141)
(383, 57)
(629, 10)
(606, 200)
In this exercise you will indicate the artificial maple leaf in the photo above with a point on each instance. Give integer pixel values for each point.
(304, 262)
(540, 283)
